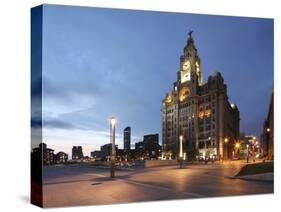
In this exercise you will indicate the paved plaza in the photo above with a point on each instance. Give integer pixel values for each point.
(88, 185)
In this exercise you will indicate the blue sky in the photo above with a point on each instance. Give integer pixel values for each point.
(98, 62)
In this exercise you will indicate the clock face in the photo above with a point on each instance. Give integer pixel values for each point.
(185, 73)
(186, 66)
(185, 76)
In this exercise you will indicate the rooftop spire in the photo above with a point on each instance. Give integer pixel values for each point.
(190, 38)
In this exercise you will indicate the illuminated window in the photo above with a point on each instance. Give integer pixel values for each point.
(207, 113)
(201, 115)
(184, 93)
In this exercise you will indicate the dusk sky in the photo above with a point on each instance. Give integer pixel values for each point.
(98, 62)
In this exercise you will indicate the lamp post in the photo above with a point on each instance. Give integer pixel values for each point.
(237, 145)
(112, 140)
(247, 153)
(226, 148)
(180, 153)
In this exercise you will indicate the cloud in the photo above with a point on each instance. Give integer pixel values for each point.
(58, 124)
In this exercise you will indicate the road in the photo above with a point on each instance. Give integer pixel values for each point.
(87, 185)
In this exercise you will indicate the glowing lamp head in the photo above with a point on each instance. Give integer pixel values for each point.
(237, 145)
(226, 140)
(112, 121)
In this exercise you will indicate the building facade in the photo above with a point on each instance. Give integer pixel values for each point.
(42, 152)
(61, 157)
(151, 145)
(199, 112)
(127, 138)
(250, 147)
(96, 154)
(149, 148)
(106, 150)
(77, 153)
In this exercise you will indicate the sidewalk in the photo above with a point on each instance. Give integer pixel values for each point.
(266, 177)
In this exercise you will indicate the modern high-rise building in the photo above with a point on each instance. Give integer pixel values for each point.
(77, 153)
(198, 112)
(127, 138)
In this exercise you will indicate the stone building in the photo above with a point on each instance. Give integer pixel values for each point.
(268, 132)
(199, 112)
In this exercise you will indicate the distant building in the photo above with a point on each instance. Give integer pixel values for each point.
(149, 148)
(61, 157)
(127, 138)
(77, 153)
(199, 112)
(106, 150)
(139, 145)
(139, 151)
(151, 145)
(249, 146)
(268, 132)
(43, 152)
(96, 154)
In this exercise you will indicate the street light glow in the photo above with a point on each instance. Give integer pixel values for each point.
(237, 145)
(181, 152)
(226, 140)
(112, 121)
(268, 129)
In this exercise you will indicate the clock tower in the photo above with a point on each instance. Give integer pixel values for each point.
(198, 114)
(189, 71)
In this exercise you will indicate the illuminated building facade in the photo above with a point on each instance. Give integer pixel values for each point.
(200, 112)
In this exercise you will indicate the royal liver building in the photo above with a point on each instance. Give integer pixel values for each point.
(199, 112)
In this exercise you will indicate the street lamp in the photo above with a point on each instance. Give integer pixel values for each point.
(113, 153)
(268, 130)
(237, 145)
(226, 149)
(181, 152)
(247, 153)
(226, 140)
